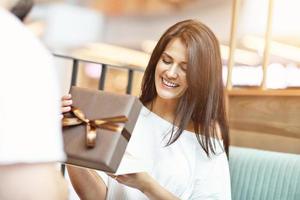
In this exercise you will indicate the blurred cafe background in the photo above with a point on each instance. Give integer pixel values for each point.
(260, 47)
(259, 41)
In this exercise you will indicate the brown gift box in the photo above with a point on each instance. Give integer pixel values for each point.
(109, 145)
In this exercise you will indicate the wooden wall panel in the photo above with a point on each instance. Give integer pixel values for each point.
(265, 122)
(264, 141)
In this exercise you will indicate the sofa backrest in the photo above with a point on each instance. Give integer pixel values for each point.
(264, 175)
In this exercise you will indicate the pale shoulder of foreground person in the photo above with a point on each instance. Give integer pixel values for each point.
(32, 181)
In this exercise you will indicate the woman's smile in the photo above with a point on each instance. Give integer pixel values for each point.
(169, 84)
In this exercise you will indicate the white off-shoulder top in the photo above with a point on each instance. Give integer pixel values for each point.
(182, 168)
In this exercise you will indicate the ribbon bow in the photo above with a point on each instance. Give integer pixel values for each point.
(92, 125)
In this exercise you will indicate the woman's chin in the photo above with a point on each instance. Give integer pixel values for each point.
(167, 96)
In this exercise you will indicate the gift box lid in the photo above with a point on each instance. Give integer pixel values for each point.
(110, 145)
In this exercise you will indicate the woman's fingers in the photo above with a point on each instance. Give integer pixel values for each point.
(67, 103)
(112, 176)
(66, 106)
(66, 97)
(65, 109)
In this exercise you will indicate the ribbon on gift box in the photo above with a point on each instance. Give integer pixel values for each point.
(92, 125)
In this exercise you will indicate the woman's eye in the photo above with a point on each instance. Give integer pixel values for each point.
(183, 68)
(166, 61)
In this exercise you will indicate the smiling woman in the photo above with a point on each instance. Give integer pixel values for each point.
(189, 53)
(170, 73)
(181, 132)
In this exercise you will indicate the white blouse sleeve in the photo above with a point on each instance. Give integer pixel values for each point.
(216, 184)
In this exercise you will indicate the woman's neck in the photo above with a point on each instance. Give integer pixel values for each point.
(164, 108)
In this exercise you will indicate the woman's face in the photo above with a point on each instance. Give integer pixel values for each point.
(170, 72)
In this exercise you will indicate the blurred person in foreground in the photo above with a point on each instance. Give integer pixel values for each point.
(182, 130)
(22, 8)
(30, 133)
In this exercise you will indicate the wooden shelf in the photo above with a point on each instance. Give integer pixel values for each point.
(260, 92)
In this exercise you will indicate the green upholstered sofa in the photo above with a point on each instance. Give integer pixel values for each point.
(264, 175)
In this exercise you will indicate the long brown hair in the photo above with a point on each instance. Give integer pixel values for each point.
(203, 102)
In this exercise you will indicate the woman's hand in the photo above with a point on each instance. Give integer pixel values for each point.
(140, 181)
(146, 184)
(66, 102)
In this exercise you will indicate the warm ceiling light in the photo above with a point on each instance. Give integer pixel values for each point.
(148, 46)
(285, 51)
(112, 54)
(241, 56)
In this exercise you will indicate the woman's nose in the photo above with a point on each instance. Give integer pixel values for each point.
(172, 71)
